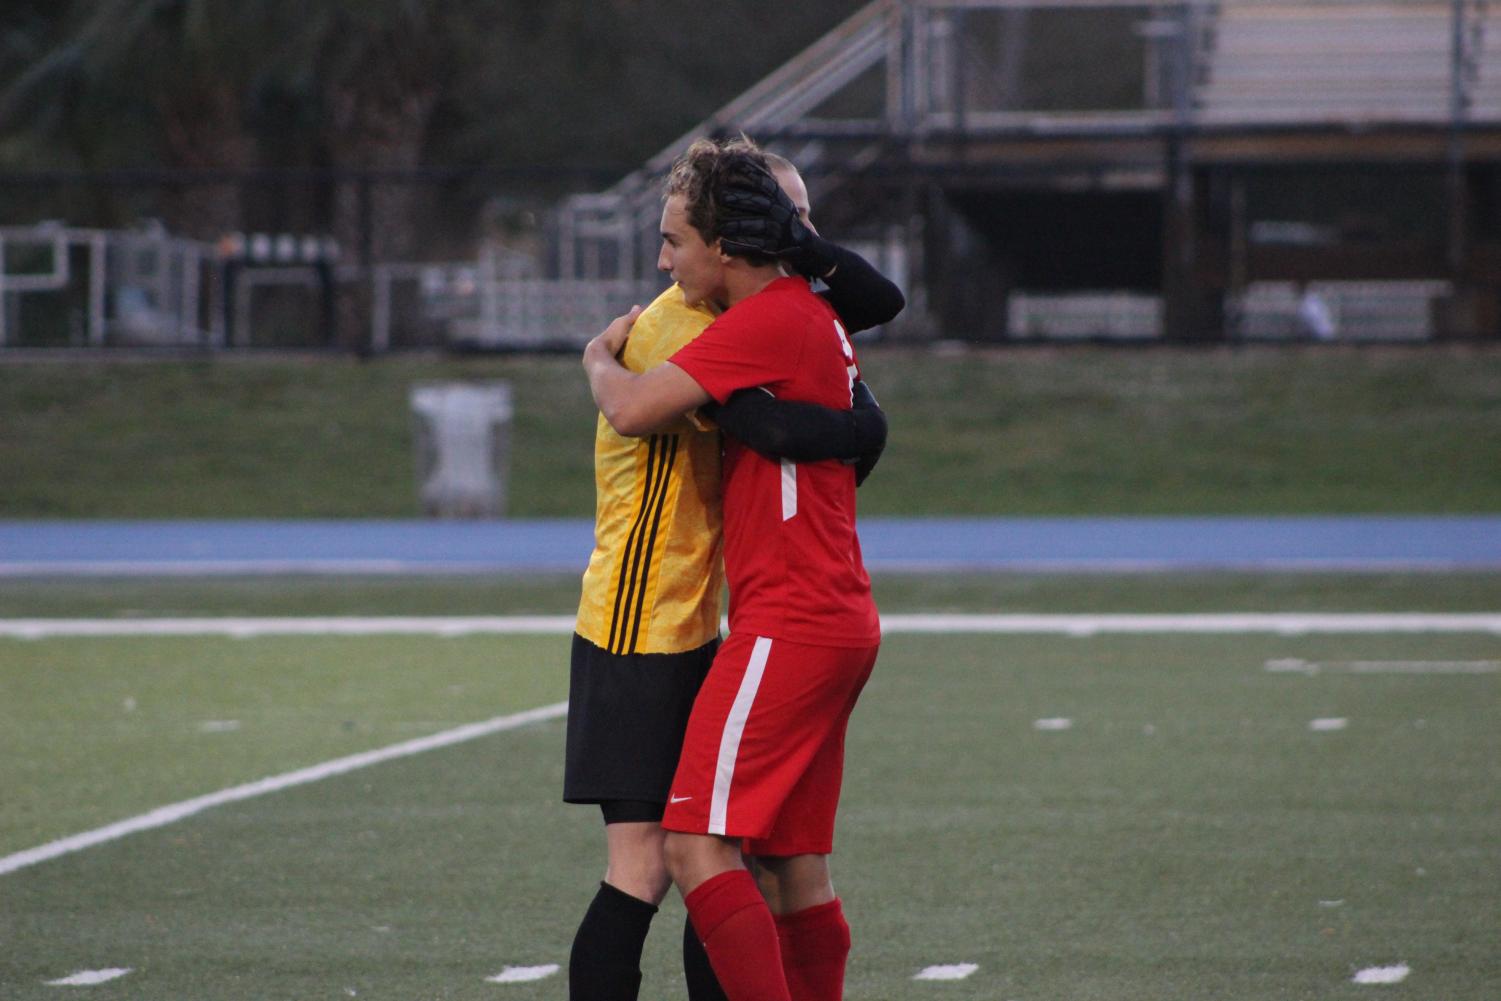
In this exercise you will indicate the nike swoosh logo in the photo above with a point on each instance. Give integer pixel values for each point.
(678, 799)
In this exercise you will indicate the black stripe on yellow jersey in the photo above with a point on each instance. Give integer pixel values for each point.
(662, 451)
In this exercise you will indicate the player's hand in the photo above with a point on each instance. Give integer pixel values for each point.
(871, 421)
(614, 336)
(866, 463)
(612, 339)
(759, 218)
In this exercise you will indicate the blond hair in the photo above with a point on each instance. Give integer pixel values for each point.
(700, 173)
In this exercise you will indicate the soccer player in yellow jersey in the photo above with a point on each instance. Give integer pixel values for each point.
(648, 622)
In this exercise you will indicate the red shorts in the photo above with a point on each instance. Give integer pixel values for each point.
(764, 753)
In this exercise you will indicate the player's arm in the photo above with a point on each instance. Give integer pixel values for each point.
(861, 295)
(806, 432)
(633, 403)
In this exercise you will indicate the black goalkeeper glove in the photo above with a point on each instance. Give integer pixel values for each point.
(872, 424)
(759, 218)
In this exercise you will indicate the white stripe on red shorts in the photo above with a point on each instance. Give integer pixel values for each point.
(734, 727)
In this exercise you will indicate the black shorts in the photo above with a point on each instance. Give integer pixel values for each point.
(626, 717)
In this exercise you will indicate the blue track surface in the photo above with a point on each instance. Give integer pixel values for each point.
(84, 548)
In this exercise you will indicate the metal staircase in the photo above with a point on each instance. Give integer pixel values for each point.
(949, 69)
(612, 234)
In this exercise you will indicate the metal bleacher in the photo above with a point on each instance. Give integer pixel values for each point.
(954, 89)
(1215, 64)
(1305, 63)
(1485, 85)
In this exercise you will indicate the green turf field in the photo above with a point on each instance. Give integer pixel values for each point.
(1036, 431)
(1188, 835)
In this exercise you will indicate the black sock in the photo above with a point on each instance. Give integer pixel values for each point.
(702, 984)
(605, 964)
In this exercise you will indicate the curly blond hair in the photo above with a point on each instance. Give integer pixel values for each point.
(700, 173)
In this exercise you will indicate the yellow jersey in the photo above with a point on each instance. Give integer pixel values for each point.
(657, 570)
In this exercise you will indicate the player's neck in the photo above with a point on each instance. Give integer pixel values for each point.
(742, 280)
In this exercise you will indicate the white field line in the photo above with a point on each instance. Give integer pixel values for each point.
(1383, 974)
(523, 974)
(1292, 665)
(90, 978)
(1279, 623)
(247, 628)
(949, 971)
(164, 815)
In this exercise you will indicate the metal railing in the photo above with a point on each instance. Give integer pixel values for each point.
(147, 288)
(130, 286)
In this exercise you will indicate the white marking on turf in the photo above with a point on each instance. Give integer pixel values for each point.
(953, 971)
(521, 974)
(1292, 665)
(1383, 974)
(1331, 903)
(88, 978)
(1053, 723)
(1282, 623)
(219, 726)
(164, 815)
(1328, 724)
(241, 628)
(1423, 666)
(1279, 623)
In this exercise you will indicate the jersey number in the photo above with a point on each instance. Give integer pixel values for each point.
(849, 358)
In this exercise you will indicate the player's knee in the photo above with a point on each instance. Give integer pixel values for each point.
(792, 883)
(642, 874)
(678, 855)
(645, 882)
(635, 863)
(693, 858)
(769, 882)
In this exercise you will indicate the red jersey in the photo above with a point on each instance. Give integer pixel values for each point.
(791, 554)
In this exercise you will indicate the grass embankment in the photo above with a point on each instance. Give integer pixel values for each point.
(1037, 431)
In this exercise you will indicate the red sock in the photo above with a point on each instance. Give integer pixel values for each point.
(815, 945)
(740, 937)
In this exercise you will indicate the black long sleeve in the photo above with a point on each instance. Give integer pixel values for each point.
(806, 432)
(861, 295)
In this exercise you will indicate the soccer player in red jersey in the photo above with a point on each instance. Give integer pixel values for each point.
(762, 760)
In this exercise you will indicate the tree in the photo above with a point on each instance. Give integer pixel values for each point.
(373, 84)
